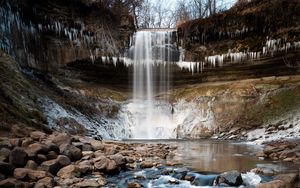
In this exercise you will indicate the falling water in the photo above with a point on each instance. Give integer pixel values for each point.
(151, 55)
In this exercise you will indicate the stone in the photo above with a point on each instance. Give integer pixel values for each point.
(231, 178)
(272, 184)
(41, 158)
(87, 147)
(20, 173)
(51, 155)
(63, 160)
(31, 165)
(119, 159)
(36, 148)
(18, 157)
(204, 180)
(51, 166)
(4, 154)
(47, 182)
(36, 174)
(147, 164)
(87, 183)
(10, 182)
(97, 145)
(60, 138)
(5, 143)
(101, 163)
(112, 166)
(85, 166)
(101, 181)
(78, 144)
(71, 151)
(67, 172)
(26, 142)
(15, 142)
(289, 179)
(37, 135)
(6, 168)
(134, 185)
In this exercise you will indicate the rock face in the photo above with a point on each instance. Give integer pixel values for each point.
(48, 35)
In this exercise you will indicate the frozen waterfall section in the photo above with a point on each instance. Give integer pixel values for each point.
(151, 55)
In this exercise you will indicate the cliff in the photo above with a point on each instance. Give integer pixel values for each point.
(47, 35)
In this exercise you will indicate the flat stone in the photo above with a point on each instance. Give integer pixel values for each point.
(36, 174)
(67, 172)
(87, 183)
(18, 157)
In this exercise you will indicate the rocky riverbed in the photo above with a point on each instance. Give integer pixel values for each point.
(62, 160)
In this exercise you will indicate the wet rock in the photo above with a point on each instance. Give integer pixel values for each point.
(31, 165)
(6, 168)
(134, 185)
(47, 182)
(63, 160)
(231, 178)
(18, 157)
(20, 173)
(71, 151)
(36, 174)
(87, 183)
(67, 172)
(147, 164)
(97, 145)
(37, 135)
(272, 184)
(51, 166)
(4, 154)
(204, 180)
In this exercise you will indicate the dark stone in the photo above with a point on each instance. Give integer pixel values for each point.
(6, 168)
(4, 154)
(87, 147)
(72, 152)
(51, 166)
(36, 148)
(63, 160)
(232, 178)
(204, 180)
(51, 155)
(18, 157)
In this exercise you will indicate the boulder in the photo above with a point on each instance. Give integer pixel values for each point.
(84, 167)
(119, 159)
(97, 145)
(51, 155)
(6, 168)
(60, 138)
(37, 135)
(18, 157)
(21, 173)
(147, 164)
(71, 151)
(36, 174)
(204, 180)
(101, 163)
(51, 166)
(112, 166)
(47, 182)
(67, 172)
(63, 160)
(36, 148)
(41, 158)
(231, 178)
(31, 165)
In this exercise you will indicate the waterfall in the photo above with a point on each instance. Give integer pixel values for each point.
(151, 55)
